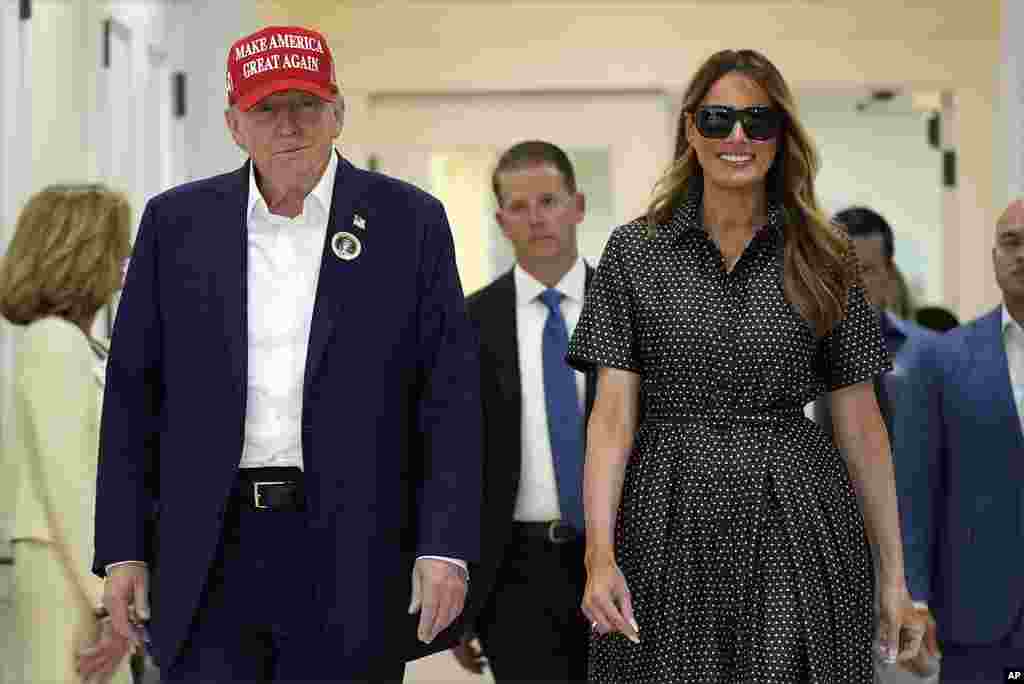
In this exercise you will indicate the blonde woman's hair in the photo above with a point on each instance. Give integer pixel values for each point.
(66, 255)
(819, 262)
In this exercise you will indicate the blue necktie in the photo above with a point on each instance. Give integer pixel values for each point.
(565, 424)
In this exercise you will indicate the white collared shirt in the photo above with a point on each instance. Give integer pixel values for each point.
(1013, 339)
(284, 266)
(537, 498)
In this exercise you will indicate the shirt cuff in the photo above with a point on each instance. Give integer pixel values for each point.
(453, 561)
(131, 562)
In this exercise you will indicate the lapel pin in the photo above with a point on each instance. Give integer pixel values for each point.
(346, 246)
(359, 222)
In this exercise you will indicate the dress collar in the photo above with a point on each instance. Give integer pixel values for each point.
(687, 217)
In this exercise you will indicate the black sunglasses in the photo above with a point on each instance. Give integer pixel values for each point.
(759, 123)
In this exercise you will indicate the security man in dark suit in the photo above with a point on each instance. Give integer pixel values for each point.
(529, 585)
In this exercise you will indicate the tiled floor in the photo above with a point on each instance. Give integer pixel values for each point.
(441, 667)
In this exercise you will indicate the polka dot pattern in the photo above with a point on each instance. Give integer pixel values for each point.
(739, 532)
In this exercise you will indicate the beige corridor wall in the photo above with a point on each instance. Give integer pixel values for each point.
(470, 46)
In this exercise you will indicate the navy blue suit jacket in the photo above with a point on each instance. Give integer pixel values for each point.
(960, 477)
(391, 414)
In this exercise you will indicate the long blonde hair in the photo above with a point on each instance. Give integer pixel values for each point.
(66, 254)
(819, 263)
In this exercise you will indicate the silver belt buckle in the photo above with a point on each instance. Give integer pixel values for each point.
(256, 493)
(553, 532)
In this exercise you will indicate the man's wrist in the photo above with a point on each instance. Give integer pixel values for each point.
(458, 562)
(139, 563)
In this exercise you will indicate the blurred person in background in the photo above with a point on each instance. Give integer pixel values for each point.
(960, 477)
(530, 580)
(64, 265)
(898, 297)
(725, 538)
(874, 241)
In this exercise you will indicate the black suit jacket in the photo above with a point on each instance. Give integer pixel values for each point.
(493, 312)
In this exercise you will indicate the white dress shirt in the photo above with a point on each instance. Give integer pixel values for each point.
(284, 266)
(537, 498)
(1013, 339)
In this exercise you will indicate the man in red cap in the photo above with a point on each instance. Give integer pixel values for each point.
(293, 388)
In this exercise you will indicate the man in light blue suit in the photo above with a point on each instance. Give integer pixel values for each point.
(959, 463)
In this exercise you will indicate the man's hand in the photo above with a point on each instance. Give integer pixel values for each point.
(926, 662)
(98, 661)
(469, 654)
(439, 593)
(126, 598)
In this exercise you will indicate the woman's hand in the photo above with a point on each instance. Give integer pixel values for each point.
(901, 626)
(97, 662)
(606, 602)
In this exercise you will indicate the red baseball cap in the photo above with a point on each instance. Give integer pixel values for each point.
(280, 58)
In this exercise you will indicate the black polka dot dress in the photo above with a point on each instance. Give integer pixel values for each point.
(739, 532)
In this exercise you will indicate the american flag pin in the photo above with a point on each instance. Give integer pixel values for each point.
(359, 222)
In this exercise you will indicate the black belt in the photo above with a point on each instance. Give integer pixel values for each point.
(773, 417)
(270, 489)
(553, 531)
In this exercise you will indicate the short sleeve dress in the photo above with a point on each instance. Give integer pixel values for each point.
(739, 532)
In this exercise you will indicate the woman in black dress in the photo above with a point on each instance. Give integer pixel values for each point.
(725, 542)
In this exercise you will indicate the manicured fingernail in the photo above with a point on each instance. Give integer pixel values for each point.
(635, 639)
(636, 627)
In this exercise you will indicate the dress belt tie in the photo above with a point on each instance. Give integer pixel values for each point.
(728, 417)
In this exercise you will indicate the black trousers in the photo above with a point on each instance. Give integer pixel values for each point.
(257, 618)
(533, 629)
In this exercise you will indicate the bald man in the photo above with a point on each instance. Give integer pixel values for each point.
(960, 477)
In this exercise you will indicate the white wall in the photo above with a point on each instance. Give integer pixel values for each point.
(209, 27)
(15, 128)
(880, 158)
(1012, 104)
(54, 128)
(468, 132)
(472, 46)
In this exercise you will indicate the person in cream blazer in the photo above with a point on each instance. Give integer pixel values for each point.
(63, 264)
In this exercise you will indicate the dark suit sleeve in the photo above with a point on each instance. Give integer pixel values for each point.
(449, 411)
(917, 460)
(125, 488)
